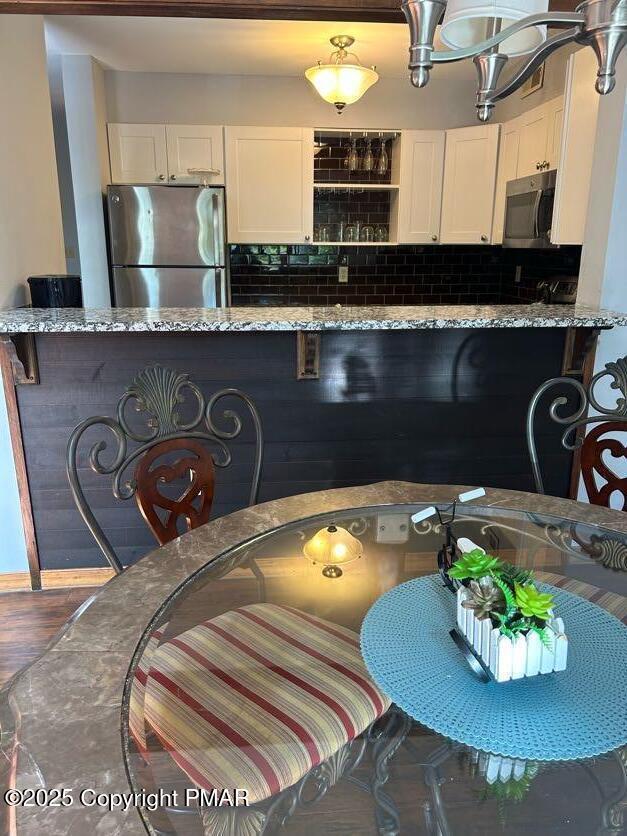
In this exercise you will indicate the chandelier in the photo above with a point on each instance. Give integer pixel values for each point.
(492, 31)
(340, 81)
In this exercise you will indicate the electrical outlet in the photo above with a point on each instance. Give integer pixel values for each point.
(342, 274)
(518, 274)
(392, 528)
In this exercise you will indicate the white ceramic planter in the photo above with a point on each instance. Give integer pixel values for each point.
(512, 658)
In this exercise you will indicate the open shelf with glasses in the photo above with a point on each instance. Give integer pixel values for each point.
(356, 186)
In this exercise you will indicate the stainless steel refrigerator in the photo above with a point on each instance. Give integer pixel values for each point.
(167, 246)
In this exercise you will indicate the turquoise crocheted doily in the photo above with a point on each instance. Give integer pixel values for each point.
(577, 713)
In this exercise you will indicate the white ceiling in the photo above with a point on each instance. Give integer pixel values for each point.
(230, 47)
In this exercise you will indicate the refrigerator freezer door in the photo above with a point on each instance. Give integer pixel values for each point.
(166, 226)
(170, 287)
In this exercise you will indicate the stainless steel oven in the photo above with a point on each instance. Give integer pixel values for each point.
(529, 211)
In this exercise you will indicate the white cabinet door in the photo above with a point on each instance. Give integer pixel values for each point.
(508, 170)
(195, 154)
(269, 185)
(534, 132)
(556, 122)
(469, 182)
(420, 193)
(581, 105)
(138, 153)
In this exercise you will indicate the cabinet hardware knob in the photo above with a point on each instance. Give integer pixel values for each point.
(434, 237)
(161, 177)
(172, 176)
(484, 237)
(307, 237)
(537, 166)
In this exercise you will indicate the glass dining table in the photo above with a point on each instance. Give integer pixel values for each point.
(217, 687)
(197, 720)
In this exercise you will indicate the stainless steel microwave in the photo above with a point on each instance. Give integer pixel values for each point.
(529, 211)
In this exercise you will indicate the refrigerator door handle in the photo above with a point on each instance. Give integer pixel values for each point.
(217, 236)
(221, 288)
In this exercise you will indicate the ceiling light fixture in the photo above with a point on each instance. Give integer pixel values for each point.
(331, 547)
(341, 82)
(490, 31)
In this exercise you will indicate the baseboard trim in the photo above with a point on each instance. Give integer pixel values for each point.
(55, 579)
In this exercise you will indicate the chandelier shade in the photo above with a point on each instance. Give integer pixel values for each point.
(339, 82)
(331, 547)
(468, 22)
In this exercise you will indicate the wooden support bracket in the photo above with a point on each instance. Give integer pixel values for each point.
(22, 353)
(307, 355)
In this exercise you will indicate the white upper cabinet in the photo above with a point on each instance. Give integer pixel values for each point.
(166, 153)
(195, 154)
(420, 193)
(469, 185)
(269, 176)
(555, 110)
(138, 153)
(534, 132)
(540, 137)
(508, 170)
(581, 105)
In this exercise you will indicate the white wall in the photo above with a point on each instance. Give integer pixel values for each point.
(31, 238)
(84, 105)
(604, 258)
(280, 100)
(554, 79)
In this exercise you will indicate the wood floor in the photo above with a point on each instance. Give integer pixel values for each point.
(29, 620)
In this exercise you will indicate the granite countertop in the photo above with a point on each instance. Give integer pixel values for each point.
(87, 320)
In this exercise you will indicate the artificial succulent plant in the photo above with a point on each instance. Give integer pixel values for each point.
(532, 603)
(484, 597)
(473, 565)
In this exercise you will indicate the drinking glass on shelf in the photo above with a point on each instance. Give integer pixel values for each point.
(383, 159)
(381, 233)
(367, 164)
(367, 234)
(324, 233)
(353, 156)
(351, 233)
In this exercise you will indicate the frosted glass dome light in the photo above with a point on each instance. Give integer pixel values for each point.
(338, 82)
(468, 22)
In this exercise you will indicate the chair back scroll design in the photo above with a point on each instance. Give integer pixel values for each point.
(592, 460)
(157, 393)
(573, 437)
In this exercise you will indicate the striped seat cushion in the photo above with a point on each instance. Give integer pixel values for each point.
(610, 601)
(256, 697)
(136, 719)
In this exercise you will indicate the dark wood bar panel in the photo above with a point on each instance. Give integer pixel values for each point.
(433, 405)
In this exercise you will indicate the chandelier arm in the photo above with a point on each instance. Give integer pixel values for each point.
(553, 19)
(539, 56)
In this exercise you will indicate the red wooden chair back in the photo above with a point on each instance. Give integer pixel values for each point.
(593, 461)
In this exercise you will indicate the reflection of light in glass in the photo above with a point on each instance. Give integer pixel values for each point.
(206, 220)
(145, 225)
(332, 546)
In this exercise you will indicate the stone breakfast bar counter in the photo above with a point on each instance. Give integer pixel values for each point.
(347, 396)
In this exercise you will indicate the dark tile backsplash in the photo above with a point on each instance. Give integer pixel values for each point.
(273, 274)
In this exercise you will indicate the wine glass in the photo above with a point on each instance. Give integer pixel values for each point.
(353, 156)
(381, 233)
(383, 160)
(368, 159)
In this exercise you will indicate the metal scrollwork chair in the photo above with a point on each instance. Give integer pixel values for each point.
(610, 419)
(190, 447)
